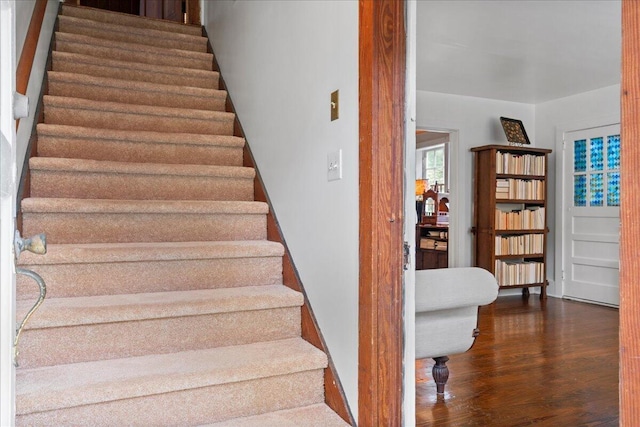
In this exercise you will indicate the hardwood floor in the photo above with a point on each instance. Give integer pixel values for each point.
(550, 363)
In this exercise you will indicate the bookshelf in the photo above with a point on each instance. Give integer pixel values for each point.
(432, 246)
(510, 221)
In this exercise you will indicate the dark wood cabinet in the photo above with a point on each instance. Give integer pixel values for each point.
(510, 223)
(432, 246)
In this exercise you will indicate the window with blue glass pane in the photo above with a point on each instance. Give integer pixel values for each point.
(580, 155)
(613, 151)
(580, 190)
(597, 153)
(613, 189)
(596, 189)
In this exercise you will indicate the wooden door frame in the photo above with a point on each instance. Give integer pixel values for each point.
(382, 63)
(630, 217)
(382, 57)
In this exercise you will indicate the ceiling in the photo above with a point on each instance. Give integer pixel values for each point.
(517, 50)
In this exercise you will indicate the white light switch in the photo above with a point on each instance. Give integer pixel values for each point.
(334, 165)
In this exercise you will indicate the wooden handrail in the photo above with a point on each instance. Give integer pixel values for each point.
(25, 63)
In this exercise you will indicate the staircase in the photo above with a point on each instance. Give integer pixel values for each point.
(165, 302)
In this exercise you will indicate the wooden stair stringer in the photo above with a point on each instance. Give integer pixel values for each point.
(335, 397)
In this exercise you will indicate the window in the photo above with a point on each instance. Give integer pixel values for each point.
(434, 162)
(596, 167)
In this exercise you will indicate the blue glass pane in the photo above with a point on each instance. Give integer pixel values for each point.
(580, 190)
(613, 189)
(613, 152)
(596, 188)
(597, 154)
(580, 155)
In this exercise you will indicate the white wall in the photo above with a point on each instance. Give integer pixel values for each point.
(478, 123)
(589, 109)
(281, 60)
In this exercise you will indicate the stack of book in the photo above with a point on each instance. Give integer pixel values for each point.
(520, 164)
(531, 218)
(426, 243)
(524, 244)
(519, 189)
(512, 272)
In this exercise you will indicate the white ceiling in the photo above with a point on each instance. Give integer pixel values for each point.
(517, 50)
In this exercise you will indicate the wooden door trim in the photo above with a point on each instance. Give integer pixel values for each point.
(630, 217)
(382, 92)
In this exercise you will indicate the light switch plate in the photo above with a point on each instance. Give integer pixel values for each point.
(334, 165)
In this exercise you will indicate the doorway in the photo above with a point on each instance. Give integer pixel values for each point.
(591, 218)
(435, 198)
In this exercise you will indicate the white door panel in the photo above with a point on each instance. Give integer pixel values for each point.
(591, 234)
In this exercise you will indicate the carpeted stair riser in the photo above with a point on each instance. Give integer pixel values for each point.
(144, 227)
(139, 147)
(234, 381)
(87, 328)
(128, 339)
(120, 51)
(139, 93)
(111, 115)
(69, 280)
(94, 179)
(191, 406)
(144, 36)
(134, 71)
(318, 415)
(129, 20)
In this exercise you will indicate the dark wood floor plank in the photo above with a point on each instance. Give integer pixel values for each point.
(543, 363)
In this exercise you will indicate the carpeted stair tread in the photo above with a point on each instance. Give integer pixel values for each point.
(138, 146)
(164, 55)
(100, 15)
(134, 71)
(110, 167)
(99, 179)
(132, 92)
(78, 43)
(165, 251)
(113, 115)
(76, 311)
(319, 415)
(72, 270)
(125, 221)
(86, 133)
(124, 33)
(54, 205)
(61, 386)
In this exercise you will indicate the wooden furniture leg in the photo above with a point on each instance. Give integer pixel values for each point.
(440, 373)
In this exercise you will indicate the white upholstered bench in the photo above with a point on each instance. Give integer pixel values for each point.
(447, 302)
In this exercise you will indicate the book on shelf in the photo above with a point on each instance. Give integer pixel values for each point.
(523, 244)
(530, 218)
(519, 164)
(522, 189)
(516, 272)
(427, 243)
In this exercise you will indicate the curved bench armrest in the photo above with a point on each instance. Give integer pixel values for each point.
(446, 288)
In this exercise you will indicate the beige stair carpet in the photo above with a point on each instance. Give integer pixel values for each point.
(165, 300)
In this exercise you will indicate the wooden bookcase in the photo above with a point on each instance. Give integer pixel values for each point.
(510, 221)
(432, 243)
